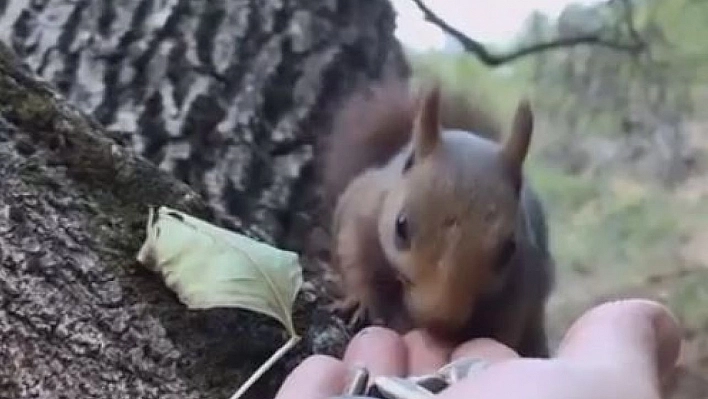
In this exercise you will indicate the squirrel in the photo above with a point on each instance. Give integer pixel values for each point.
(434, 224)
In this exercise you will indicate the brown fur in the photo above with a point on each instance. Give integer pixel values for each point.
(374, 123)
(418, 243)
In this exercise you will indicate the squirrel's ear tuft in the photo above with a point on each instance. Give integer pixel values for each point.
(426, 129)
(516, 146)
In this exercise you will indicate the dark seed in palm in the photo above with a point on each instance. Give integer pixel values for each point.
(432, 382)
(358, 383)
(400, 388)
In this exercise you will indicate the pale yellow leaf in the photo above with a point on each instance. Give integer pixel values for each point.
(208, 266)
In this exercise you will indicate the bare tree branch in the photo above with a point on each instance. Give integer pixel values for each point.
(491, 59)
(629, 20)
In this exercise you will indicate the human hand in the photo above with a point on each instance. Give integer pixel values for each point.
(616, 350)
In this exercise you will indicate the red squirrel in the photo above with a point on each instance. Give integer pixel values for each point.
(434, 223)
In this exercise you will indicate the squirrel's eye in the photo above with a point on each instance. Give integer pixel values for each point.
(402, 232)
(506, 251)
(408, 164)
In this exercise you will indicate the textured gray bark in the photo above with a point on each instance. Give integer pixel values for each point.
(227, 96)
(79, 318)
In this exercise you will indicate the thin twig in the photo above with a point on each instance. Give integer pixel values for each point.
(477, 48)
(266, 366)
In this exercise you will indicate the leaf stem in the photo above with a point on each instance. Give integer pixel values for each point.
(294, 339)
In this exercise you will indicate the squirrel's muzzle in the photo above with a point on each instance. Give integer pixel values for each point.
(439, 307)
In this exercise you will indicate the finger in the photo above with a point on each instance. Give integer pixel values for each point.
(318, 377)
(484, 348)
(425, 354)
(638, 335)
(380, 350)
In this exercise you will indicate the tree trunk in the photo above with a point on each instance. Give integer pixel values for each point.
(229, 97)
(226, 95)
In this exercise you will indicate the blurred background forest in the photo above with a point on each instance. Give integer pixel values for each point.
(619, 154)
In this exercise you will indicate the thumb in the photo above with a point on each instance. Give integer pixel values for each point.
(638, 335)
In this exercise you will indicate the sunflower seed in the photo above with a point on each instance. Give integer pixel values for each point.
(358, 383)
(399, 388)
(461, 368)
(432, 382)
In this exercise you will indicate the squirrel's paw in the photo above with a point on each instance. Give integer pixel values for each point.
(350, 308)
(343, 306)
(359, 316)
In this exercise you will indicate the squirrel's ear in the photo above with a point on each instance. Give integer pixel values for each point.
(516, 146)
(426, 130)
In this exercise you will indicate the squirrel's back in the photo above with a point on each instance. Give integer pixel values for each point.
(375, 123)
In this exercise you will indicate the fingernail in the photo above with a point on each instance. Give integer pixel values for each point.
(365, 331)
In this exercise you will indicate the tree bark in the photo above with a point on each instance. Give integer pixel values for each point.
(226, 95)
(229, 99)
